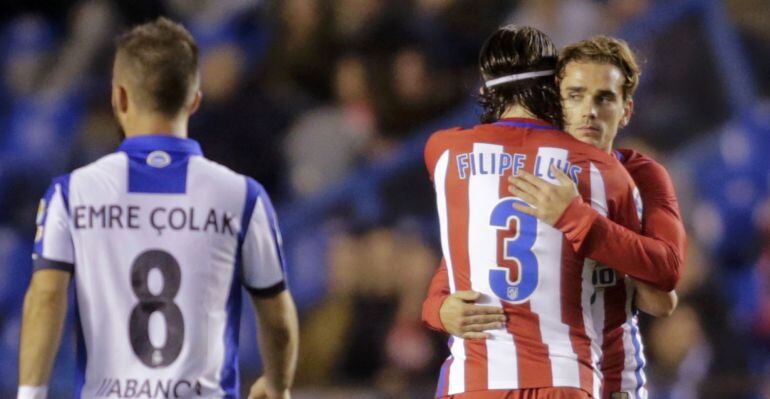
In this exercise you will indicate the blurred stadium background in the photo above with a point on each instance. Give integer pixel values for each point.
(329, 102)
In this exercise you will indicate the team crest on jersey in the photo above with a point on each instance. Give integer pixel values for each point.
(620, 395)
(158, 159)
(604, 277)
(513, 293)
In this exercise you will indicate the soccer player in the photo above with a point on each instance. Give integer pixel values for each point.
(523, 268)
(597, 79)
(159, 241)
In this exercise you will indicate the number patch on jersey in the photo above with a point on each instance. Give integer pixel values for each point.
(603, 277)
(518, 249)
(149, 303)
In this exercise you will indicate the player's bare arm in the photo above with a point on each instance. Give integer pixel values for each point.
(549, 201)
(279, 340)
(653, 301)
(45, 307)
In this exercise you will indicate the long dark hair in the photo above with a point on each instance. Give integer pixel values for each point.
(518, 49)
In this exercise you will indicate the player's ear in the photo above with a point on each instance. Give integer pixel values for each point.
(628, 110)
(195, 103)
(119, 98)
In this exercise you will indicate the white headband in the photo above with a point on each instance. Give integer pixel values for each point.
(517, 76)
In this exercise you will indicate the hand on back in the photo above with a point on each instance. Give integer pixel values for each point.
(462, 318)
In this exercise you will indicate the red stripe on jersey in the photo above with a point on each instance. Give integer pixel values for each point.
(613, 353)
(571, 299)
(457, 216)
(476, 365)
(534, 365)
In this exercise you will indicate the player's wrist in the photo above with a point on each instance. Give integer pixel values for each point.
(32, 392)
(576, 216)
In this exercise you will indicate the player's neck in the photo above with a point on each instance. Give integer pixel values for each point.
(517, 111)
(157, 125)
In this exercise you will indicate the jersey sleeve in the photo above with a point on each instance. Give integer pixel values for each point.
(262, 258)
(437, 293)
(656, 254)
(430, 155)
(53, 248)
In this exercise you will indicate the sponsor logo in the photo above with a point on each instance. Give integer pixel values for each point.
(148, 388)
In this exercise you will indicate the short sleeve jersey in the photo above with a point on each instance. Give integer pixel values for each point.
(159, 240)
(517, 262)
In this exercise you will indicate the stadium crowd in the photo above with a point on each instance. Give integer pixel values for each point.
(319, 99)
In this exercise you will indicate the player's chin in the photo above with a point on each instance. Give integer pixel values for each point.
(590, 139)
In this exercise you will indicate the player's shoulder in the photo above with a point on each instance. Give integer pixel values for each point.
(442, 136)
(644, 169)
(438, 143)
(204, 168)
(110, 165)
(635, 161)
(218, 175)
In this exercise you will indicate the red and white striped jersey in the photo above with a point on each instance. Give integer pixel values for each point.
(517, 262)
(656, 256)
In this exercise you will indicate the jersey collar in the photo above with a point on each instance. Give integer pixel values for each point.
(527, 123)
(160, 142)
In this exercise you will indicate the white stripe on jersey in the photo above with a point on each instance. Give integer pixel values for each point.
(483, 195)
(547, 248)
(457, 367)
(598, 203)
(631, 339)
(439, 176)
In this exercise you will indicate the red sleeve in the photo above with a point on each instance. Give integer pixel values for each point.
(430, 155)
(437, 292)
(656, 256)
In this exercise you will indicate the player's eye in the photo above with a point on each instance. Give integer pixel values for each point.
(574, 96)
(606, 98)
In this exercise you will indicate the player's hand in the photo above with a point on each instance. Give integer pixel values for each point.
(462, 318)
(547, 201)
(260, 390)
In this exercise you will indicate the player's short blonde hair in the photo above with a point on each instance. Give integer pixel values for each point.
(162, 58)
(604, 50)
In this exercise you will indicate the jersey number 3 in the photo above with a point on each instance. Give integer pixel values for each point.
(149, 303)
(518, 249)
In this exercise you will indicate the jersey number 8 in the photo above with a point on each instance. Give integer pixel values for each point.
(149, 303)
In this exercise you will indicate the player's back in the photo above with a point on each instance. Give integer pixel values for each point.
(157, 233)
(517, 262)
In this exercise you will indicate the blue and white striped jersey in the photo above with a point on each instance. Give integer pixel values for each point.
(159, 240)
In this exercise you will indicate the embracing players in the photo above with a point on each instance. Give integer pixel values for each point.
(546, 346)
(597, 78)
(159, 241)
(607, 104)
